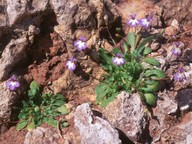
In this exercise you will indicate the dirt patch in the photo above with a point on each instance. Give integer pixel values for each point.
(13, 136)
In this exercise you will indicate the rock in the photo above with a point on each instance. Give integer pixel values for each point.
(3, 15)
(176, 10)
(65, 11)
(7, 99)
(16, 50)
(14, 53)
(20, 9)
(93, 129)
(15, 10)
(184, 98)
(127, 114)
(42, 135)
(164, 115)
(181, 133)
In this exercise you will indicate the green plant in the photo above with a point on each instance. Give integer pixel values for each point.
(41, 108)
(130, 68)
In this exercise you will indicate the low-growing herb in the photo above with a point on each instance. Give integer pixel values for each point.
(130, 68)
(41, 108)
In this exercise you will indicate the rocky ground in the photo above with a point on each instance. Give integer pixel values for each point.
(36, 39)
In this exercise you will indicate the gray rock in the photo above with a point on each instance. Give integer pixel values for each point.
(164, 115)
(180, 133)
(13, 54)
(7, 98)
(16, 51)
(15, 9)
(93, 129)
(20, 9)
(41, 135)
(127, 114)
(184, 98)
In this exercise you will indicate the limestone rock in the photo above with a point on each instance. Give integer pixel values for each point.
(127, 114)
(93, 129)
(164, 115)
(41, 135)
(15, 9)
(181, 133)
(19, 9)
(13, 53)
(184, 98)
(7, 98)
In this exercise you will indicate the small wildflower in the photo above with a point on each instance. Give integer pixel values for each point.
(71, 64)
(118, 60)
(80, 43)
(180, 76)
(12, 83)
(133, 22)
(176, 50)
(145, 22)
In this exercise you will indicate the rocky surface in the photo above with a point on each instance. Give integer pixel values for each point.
(172, 9)
(7, 99)
(16, 52)
(42, 135)
(93, 129)
(36, 39)
(164, 115)
(127, 113)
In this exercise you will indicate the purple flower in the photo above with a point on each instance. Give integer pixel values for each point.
(70, 64)
(80, 43)
(145, 22)
(176, 50)
(133, 22)
(118, 60)
(180, 76)
(12, 83)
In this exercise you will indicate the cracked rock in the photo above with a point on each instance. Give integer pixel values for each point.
(93, 129)
(127, 114)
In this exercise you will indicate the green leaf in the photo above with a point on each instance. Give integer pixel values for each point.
(32, 92)
(34, 85)
(22, 124)
(106, 101)
(59, 97)
(63, 110)
(23, 115)
(51, 122)
(31, 126)
(150, 99)
(147, 51)
(131, 39)
(126, 47)
(146, 40)
(65, 124)
(116, 51)
(155, 74)
(101, 90)
(59, 103)
(105, 56)
(152, 61)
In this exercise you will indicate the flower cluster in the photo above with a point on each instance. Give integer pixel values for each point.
(70, 64)
(118, 60)
(144, 22)
(12, 83)
(180, 76)
(176, 50)
(80, 44)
